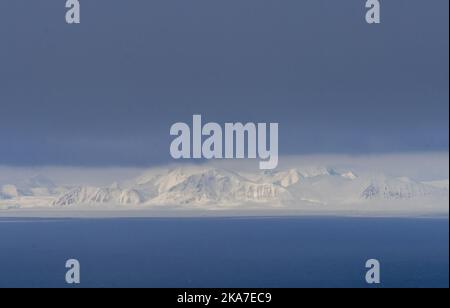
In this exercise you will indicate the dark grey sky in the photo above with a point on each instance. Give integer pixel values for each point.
(107, 91)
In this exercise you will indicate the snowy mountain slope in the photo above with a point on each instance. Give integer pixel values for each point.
(94, 195)
(400, 189)
(9, 192)
(213, 186)
(37, 185)
(206, 187)
(328, 189)
(443, 184)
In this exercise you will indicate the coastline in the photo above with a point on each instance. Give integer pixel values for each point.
(153, 213)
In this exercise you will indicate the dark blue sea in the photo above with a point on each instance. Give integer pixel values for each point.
(224, 252)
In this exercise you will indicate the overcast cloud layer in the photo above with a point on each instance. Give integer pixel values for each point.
(106, 92)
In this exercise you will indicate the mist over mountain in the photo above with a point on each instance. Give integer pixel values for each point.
(358, 185)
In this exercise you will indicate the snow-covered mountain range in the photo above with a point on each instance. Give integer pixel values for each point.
(211, 188)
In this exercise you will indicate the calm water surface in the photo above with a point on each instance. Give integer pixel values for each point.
(224, 252)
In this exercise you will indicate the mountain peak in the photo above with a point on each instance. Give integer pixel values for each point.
(209, 187)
